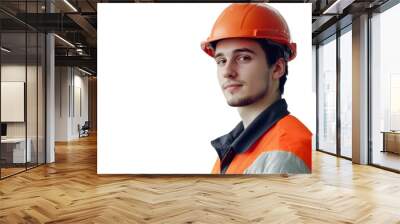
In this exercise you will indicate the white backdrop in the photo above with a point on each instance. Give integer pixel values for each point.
(159, 103)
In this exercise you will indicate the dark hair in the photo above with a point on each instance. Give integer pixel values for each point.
(273, 51)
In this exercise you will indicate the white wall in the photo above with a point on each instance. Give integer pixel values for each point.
(34, 124)
(16, 72)
(62, 80)
(82, 83)
(68, 83)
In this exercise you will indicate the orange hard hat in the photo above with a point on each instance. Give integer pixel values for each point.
(247, 20)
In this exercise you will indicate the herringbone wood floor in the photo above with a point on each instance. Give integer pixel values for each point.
(70, 191)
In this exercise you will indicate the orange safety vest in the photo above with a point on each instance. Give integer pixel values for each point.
(275, 142)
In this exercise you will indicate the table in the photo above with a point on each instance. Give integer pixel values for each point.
(15, 148)
(391, 141)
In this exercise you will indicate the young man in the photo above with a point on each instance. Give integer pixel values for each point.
(251, 46)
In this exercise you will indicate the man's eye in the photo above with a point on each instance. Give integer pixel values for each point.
(220, 61)
(244, 58)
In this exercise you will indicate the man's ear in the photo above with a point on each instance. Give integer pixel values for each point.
(279, 69)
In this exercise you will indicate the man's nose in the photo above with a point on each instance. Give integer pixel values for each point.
(229, 70)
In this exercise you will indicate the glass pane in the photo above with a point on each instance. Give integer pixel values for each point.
(13, 86)
(346, 94)
(386, 89)
(41, 98)
(31, 101)
(327, 97)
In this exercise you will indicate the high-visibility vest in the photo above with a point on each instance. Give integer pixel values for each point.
(284, 148)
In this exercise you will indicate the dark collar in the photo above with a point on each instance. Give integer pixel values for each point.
(239, 140)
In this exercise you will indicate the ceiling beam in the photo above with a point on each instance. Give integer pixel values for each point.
(84, 61)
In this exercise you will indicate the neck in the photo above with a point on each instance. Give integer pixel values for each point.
(250, 112)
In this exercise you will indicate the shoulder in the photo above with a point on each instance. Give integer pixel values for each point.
(290, 125)
(288, 131)
(294, 137)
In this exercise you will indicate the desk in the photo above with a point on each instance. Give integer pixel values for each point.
(15, 148)
(391, 141)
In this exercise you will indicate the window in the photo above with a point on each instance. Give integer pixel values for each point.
(327, 96)
(385, 89)
(22, 77)
(346, 93)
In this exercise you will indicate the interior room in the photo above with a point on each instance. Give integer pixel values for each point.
(49, 120)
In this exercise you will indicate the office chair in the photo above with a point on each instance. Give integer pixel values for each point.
(84, 130)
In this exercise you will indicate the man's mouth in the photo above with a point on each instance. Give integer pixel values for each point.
(232, 87)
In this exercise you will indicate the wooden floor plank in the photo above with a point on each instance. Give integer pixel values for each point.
(70, 191)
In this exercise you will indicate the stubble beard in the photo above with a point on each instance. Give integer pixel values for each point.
(248, 100)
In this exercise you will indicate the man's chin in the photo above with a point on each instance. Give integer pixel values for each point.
(240, 102)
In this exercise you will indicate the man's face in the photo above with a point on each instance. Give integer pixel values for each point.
(243, 72)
